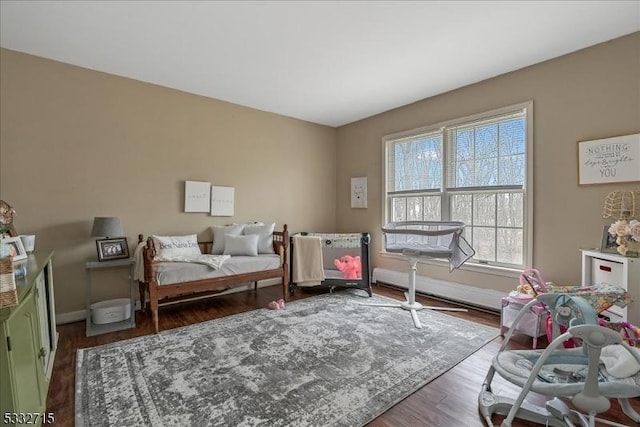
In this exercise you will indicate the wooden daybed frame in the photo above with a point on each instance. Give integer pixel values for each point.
(185, 290)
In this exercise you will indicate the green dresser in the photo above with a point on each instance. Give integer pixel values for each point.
(28, 341)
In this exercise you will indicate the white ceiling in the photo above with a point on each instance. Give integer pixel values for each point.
(328, 62)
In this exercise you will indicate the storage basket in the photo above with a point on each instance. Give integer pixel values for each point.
(8, 292)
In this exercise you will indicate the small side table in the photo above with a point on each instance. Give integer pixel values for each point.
(96, 329)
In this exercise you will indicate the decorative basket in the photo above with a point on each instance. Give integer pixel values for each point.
(8, 292)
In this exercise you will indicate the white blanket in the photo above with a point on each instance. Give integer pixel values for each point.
(138, 262)
(619, 361)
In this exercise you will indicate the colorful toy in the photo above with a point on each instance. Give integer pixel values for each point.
(350, 266)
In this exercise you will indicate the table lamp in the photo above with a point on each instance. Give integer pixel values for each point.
(105, 227)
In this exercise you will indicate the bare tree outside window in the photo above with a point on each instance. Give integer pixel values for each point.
(472, 171)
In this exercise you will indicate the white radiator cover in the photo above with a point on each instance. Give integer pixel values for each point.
(487, 298)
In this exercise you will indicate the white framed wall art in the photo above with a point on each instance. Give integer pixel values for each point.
(359, 192)
(603, 161)
(197, 196)
(222, 201)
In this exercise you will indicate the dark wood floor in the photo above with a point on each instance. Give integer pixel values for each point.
(448, 401)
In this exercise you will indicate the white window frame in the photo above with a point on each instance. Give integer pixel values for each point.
(527, 228)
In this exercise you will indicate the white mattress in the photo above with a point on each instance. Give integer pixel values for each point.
(168, 273)
(419, 249)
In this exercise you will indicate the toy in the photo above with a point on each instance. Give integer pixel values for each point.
(350, 267)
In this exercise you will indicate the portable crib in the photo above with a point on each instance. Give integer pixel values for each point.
(335, 246)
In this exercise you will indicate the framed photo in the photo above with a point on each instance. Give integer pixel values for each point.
(603, 161)
(109, 249)
(609, 243)
(16, 248)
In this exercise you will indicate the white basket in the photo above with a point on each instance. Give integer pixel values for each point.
(111, 311)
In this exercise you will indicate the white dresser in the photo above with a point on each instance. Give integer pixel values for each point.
(616, 270)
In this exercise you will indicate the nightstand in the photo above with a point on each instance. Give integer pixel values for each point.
(102, 328)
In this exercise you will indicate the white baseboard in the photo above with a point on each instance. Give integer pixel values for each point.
(487, 298)
(77, 316)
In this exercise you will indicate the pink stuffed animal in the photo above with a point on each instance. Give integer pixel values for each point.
(350, 267)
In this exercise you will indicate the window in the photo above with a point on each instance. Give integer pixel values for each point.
(475, 170)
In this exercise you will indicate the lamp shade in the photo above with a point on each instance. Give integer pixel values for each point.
(106, 227)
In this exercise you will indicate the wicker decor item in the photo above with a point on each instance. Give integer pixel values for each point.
(8, 292)
(622, 204)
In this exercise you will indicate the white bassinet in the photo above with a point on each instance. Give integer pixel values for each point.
(425, 239)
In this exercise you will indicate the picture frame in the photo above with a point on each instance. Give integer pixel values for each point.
(222, 201)
(609, 243)
(609, 160)
(197, 196)
(113, 248)
(359, 192)
(16, 248)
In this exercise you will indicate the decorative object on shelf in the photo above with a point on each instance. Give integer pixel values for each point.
(627, 235)
(608, 160)
(222, 199)
(16, 248)
(109, 249)
(622, 204)
(197, 196)
(111, 246)
(609, 243)
(29, 242)
(623, 236)
(8, 292)
(6, 220)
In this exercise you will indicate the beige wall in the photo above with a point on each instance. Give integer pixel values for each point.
(590, 94)
(76, 143)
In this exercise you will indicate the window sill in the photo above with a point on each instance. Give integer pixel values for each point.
(475, 268)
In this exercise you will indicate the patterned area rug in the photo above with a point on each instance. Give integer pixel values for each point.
(321, 361)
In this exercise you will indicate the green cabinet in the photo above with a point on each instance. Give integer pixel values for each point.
(28, 341)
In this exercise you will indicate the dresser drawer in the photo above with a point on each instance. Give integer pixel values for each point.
(610, 272)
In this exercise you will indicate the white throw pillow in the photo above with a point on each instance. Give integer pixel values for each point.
(265, 231)
(167, 246)
(219, 231)
(241, 245)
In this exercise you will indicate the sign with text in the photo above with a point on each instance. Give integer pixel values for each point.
(603, 161)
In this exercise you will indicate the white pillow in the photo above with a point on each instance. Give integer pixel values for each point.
(241, 245)
(265, 232)
(219, 231)
(167, 246)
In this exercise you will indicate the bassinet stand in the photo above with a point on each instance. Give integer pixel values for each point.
(425, 239)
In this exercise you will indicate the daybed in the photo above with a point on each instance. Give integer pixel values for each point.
(168, 280)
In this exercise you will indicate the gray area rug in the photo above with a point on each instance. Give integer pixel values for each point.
(321, 361)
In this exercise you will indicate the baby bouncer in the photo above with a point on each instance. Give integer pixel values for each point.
(425, 239)
(601, 368)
